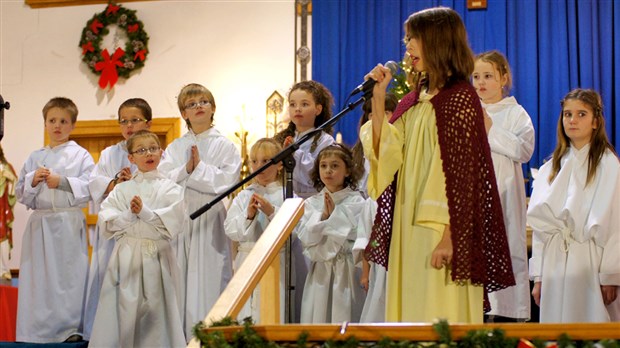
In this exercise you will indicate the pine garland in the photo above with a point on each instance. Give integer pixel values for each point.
(492, 338)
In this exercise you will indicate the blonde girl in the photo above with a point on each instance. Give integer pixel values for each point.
(511, 138)
(252, 210)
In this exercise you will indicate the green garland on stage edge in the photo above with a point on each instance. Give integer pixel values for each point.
(248, 337)
(111, 65)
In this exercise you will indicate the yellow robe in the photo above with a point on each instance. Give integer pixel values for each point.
(417, 292)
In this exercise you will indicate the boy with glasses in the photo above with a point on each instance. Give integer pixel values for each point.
(205, 163)
(112, 169)
(139, 303)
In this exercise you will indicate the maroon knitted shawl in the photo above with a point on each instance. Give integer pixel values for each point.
(480, 245)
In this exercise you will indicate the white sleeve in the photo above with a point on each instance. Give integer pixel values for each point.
(517, 141)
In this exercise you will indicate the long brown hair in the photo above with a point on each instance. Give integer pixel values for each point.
(445, 48)
(322, 96)
(599, 142)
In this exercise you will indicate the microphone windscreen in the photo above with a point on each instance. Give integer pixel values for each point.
(393, 66)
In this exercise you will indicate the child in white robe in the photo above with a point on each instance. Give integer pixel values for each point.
(112, 168)
(327, 231)
(250, 213)
(205, 163)
(573, 211)
(511, 137)
(54, 259)
(309, 107)
(373, 278)
(139, 302)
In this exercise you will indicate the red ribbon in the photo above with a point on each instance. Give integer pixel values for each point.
(112, 9)
(140, 54)
(95, 25)
(523, 343)
(132, 28)
(108, 67)
(88, 47)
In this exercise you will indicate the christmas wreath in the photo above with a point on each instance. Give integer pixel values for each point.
(111, 65)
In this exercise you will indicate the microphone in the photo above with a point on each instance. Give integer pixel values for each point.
(369, 84)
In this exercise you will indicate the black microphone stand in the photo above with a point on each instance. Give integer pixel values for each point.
(3, 105)
(288, 161)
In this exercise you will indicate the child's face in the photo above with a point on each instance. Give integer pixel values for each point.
(145, 154)
(199, 111)
(132, 120)
(414, 49)
(303, 110)
(488, 82)
(268, 175)
(58, 125)
(578, 121)
(333, 171)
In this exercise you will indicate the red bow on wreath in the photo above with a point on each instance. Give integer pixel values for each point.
(108, 65)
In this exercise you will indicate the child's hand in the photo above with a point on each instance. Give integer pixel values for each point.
(364, 278)
(328, 207)
(610, 292)
(288, 141)
(53, 180)
(136, 205)
(252, 208)
(364, 282)
(442, 255)
(39, 176)
(123, 175)
(262, 204)
(536, 292)
(194, 159)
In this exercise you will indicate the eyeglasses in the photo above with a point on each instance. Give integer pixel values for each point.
(144, 151)
(196, 105)
(124, 122)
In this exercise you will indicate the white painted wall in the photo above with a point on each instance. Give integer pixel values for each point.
(241, 50)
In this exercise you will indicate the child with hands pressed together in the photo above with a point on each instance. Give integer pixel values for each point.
(139, 302)
(112, 169)
(328, 229)
(309, 107)
(54, 263)
(206, 164)
(511, 138)
(252, 210)
(573, 212)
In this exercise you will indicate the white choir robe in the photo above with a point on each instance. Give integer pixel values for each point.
(246, 232)
(203, 251)
(111, 161)
(139, 302)
(304, 163)
(54, 260)
(511, 139)
(374, 305)
(332, 293)
(576, 240)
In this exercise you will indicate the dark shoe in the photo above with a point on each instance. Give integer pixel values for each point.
(74, 338)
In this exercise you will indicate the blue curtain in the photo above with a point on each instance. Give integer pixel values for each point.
(553, 46)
